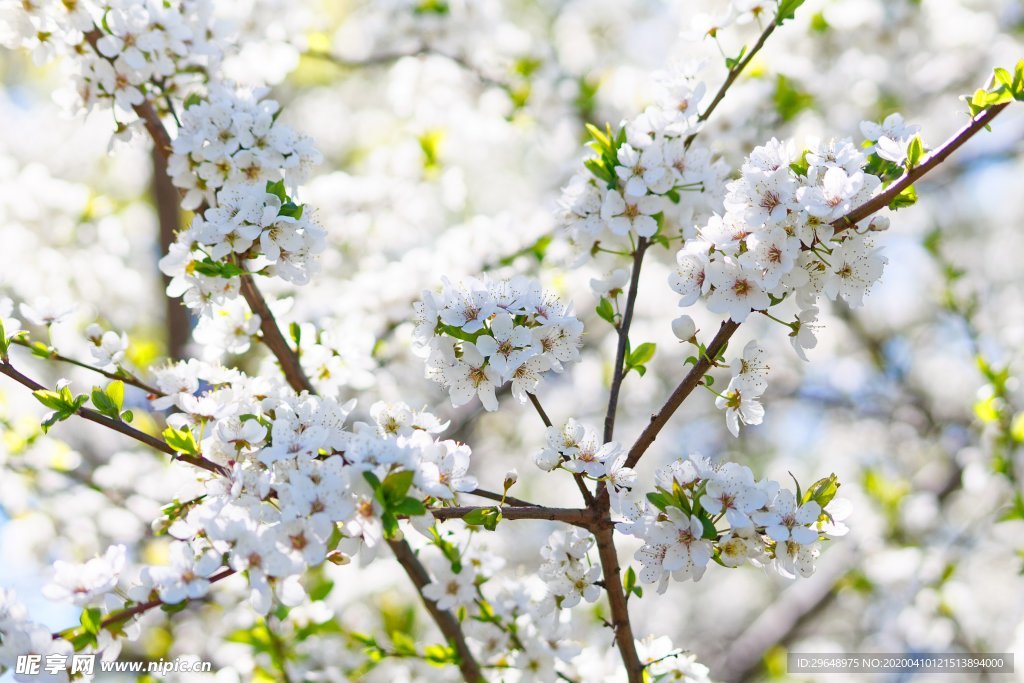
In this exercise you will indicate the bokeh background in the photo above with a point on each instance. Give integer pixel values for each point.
(448, 129)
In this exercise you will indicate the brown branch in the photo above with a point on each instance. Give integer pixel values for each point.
(934, 158)
(123, 377)
(609, 558)
(272, 337)
(575, 516)
(733, 74)
(125, 615)
(445, 620)
(386, 58)
(509, 500)
(620, 351)
(685, 388)
(177, 321)
(118, 426)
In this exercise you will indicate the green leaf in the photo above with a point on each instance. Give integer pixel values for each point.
(641, 355)
(91, 620)
(710, 532)
(439, 655)
(192, 100)
(291, 210)
(915, 151)
(823, 491)
(5, 343)
(51, 399)
(474, 517)
(396, 485)
(103, 403)
(658, 500)
(790, 100)
(276, 188)
(181, 440)
(787, 10)
(115, 390)
(605, 310)
(908, 197)
(211, 268)
(488, 518)
(410, 507)
(733, 62)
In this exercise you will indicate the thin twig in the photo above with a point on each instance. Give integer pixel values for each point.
(118, 426)
(576, 516)
(620, 351)
(509, 500)
(934, 158)
(734, 73)
(125, 615)
(125, 377)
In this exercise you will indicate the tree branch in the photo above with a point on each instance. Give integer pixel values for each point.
(125, 377)
(177, 320)
(509, 500)
(620, 351)
(609, 558)
(734, 73)
(445, 620)
(575, 516)
(272, 337)
(118, 426)
(125, 615)
(689, 383)
(934, 158)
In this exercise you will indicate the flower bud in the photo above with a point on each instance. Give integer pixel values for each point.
(684, 328)
(879, 224)
(511, 477)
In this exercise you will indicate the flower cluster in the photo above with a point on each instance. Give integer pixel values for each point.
(125, 51)
(579, 449)
(336, 491)
(648, 178)
(250, 222)
(765, 524)
(234, 136)
(776, 237)
(569, 575)
(480, 334)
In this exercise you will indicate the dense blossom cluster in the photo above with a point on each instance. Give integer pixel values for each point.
(765, 523)
(649, 178)
(324, 479)
(143, 50)
(252, 224)
(578, 449)
(480, 334)
(776, 238)
(234, 137)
